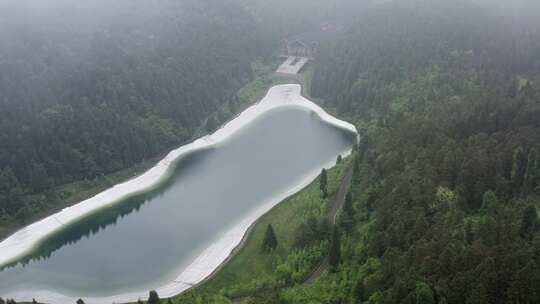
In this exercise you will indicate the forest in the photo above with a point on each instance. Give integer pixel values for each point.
(86, 94)
(449, 170)
(446, 187)
(445, 94)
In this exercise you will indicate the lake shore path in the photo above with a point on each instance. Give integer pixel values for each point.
(332, 217)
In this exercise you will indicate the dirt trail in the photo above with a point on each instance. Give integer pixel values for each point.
(338, 204)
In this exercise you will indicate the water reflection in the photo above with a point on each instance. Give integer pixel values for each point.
(95, 222)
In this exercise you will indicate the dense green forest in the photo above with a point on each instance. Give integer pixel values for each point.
(447, 97)
(94, 87)
(446, 189)
(445, 94)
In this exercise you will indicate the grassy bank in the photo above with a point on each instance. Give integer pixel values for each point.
(66, 195)
(251, 268)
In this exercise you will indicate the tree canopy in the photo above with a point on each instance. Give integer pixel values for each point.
(110, 85)
(270, 241)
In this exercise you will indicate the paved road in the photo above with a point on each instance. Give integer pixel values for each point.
(338, 203)
(292, 65)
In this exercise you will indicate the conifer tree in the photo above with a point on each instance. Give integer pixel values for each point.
(528, 223)
(347, 217)
(531, 171)
(324, 183)
(335, 250)
(424, 294)
(356, 165)
(519, 160)
(348, 206)
(468, 231)
(153, 297)
(359, 291)
(489, 202)
(270, 240)
(211, 124)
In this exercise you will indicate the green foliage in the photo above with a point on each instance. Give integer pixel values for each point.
(447, 156)
(359, 291)
(529, 223)
(311, 230)
(334, 256)
(469, 234)
(532, 173)
(153, 297)
(348, 208)
(447, 166)
(518, 168)
(424, 295)
(490, 201)
(376, 298)
(253, 272)
(323, 180)
(270, 240)
(347, 217)
(211, 124)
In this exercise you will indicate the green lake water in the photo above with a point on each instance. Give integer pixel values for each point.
(146, 241)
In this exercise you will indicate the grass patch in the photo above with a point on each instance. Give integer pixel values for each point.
(251, 263)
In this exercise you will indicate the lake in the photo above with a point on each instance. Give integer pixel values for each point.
(145, 241)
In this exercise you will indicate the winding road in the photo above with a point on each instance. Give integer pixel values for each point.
(338, 204)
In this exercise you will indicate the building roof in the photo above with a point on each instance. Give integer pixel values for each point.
(297, 43)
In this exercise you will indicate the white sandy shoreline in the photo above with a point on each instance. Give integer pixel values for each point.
(24, 240)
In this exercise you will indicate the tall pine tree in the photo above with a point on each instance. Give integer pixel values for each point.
(324, 183)
(531, 171)
(335, 250)
(270, 240)
(528, 223)
(348, 206)
(347, 217)
(153, 297)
